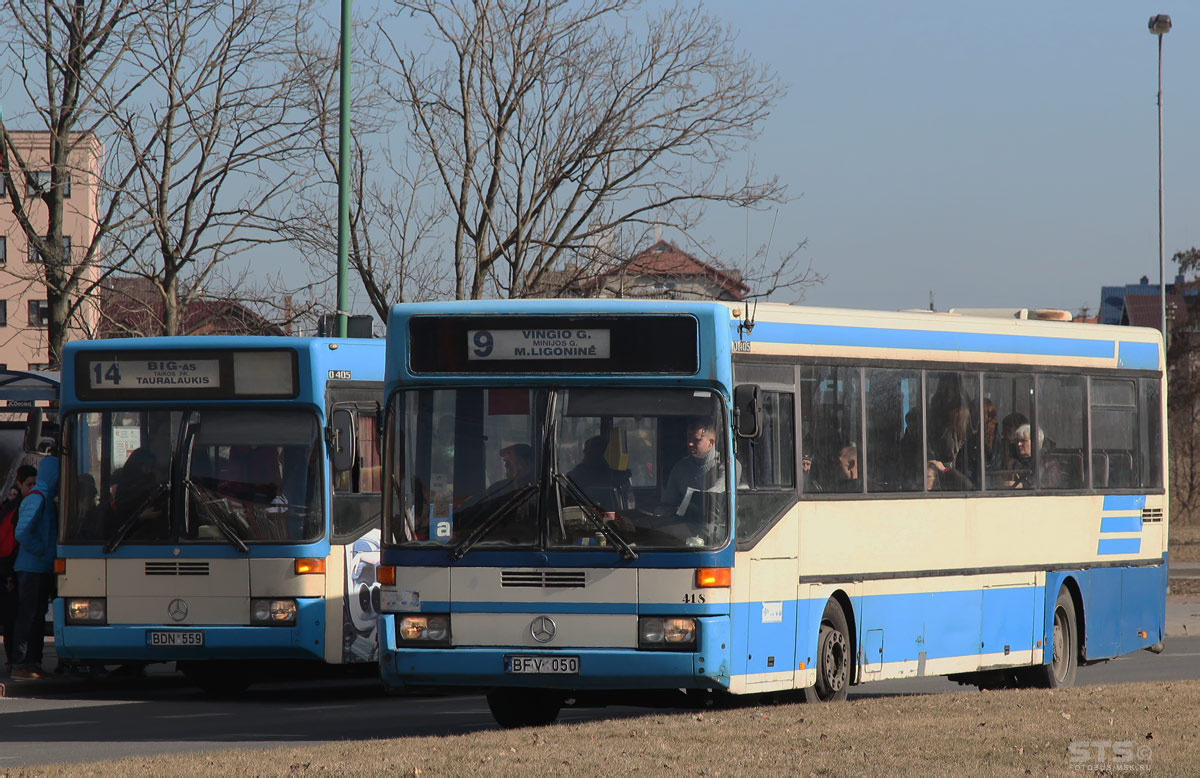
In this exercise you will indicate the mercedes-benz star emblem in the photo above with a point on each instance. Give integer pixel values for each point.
(543, 629)
(177, 609)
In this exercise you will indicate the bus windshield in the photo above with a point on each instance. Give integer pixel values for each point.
(209, 476)
(515, 467)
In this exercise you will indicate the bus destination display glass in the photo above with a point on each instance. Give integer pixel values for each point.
(665, 344)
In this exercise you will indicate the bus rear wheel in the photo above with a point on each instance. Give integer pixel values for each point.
(1059, 672)
(834, 656)
(514, 708)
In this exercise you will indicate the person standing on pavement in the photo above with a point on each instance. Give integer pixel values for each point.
(37, 533)
(26, 478)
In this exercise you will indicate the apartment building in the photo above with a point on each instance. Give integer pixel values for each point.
(23, 313)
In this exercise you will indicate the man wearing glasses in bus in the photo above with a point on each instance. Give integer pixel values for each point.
(696, 474)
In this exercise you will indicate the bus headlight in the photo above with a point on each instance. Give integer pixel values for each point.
(273, 613)
(663, 632)
(91, 611)
(425, 629)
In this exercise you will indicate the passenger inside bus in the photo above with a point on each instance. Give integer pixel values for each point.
(138, 490)
(949, 428)
(1016, 471)
(252, 477)
(845, 469)
(611, 489)
(518, 469)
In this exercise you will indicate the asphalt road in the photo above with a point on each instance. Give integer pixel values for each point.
(69, 721)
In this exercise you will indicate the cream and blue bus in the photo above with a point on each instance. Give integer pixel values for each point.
(599, 500)
(219, 504)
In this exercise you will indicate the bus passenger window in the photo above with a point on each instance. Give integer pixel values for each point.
(1008, 455)
(1114, 433)
(1150, 432)
(894, 461)
(832, 427)
(952, 432)
(1058, 443)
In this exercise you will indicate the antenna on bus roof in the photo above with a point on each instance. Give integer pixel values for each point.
(746, 325)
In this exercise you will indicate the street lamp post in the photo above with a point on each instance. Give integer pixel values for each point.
(1160, 25)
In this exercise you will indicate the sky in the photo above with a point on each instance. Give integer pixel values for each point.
(992, 154)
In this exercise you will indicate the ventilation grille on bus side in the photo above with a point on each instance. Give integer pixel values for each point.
(1150, 515)
(176, 568)
(543, 579)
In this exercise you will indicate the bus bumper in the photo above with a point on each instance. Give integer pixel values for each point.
(599, 668)
(128, 642)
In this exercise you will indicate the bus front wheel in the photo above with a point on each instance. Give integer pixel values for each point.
(524, 707)
(834, 655)
(1060, 670)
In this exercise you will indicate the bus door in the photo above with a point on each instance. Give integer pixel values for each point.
(352, 594)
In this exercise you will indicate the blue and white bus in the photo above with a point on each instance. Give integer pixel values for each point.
(219, 503)
(605, 499)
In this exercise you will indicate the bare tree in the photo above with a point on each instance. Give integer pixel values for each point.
(214, 142)
(64, 55)
(553, 126)
(393, 216)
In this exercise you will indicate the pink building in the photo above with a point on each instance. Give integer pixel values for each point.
(23, 342)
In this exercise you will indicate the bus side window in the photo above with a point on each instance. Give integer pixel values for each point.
(1058, 439)
(356, 489)
(894, 461)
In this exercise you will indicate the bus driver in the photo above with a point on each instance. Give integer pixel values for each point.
(699, 472)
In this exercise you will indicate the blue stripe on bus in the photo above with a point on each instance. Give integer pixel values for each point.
(926, 340)
(1138, 356)
(1119, 546)
(1124, 502)
(1121, 523)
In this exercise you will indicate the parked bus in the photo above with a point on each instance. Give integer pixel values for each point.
(219, 504)
(600, 500)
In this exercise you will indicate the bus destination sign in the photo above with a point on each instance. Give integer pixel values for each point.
(554, 344)
(151, 374)
(538, 344)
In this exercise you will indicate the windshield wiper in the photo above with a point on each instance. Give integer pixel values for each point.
(135, 517)
(219, 517)
(519, 498)
(593, 514)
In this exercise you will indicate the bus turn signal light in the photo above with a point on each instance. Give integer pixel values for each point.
(386, 575)
(60, 566)
(712, 578)
(305, 566)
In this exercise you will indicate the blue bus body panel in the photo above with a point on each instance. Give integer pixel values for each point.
(127, 642)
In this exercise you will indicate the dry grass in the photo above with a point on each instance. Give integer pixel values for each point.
(1185, 587)
(990, 733)
(1183, 542)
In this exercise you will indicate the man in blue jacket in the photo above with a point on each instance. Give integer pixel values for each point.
(37, 534)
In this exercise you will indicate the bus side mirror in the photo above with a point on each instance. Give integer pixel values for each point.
(747, 409)
(33, 430)
(343, 439)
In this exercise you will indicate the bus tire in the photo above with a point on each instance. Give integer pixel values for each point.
(834, 656)
(524, 707)
(217, 679)
(1059, 672)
